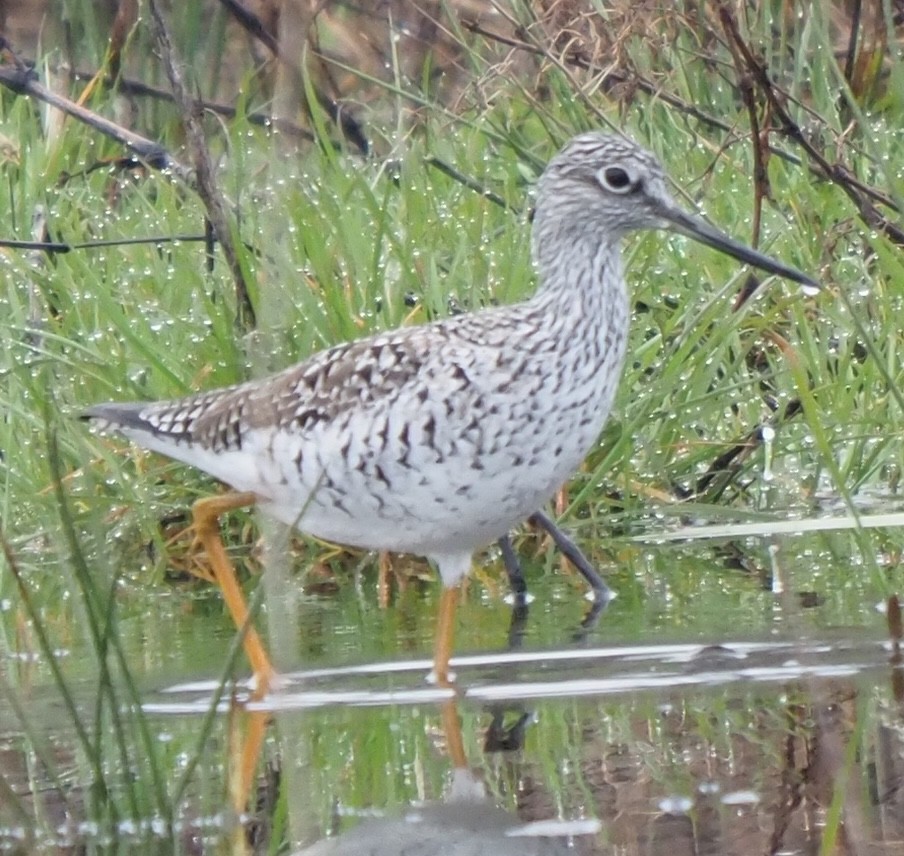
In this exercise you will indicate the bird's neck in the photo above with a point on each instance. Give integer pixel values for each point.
(581, 283)
(580, 318)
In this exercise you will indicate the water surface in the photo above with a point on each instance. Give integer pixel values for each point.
(741, 694)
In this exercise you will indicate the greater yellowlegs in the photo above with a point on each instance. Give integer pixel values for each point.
(438, 439)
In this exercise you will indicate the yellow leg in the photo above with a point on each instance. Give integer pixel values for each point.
(206, 513)
(247, 732)
(561, 508)
(445, 634)
(455, 744)
(385, 569)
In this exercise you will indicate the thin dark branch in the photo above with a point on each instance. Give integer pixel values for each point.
(466, 180)
(579, 59)
(836, 173)
(862, 194)
(854, 29)
(350, 126)
(43, 246)
(208, 189)
(252, 25)
(760, 140)
(25, 82)
(138, 89)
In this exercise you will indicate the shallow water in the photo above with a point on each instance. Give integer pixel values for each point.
(737, 696)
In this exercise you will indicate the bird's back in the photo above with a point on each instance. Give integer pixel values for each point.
(415, 440)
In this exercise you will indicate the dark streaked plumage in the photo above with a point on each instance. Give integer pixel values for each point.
(438, 439)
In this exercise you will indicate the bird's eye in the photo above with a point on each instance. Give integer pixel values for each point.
(616, 179)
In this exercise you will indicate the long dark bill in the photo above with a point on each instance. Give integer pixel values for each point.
(693, 227)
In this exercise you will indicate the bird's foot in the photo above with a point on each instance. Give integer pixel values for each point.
(185, 552)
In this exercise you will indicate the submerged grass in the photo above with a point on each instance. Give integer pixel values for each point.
(339, 246)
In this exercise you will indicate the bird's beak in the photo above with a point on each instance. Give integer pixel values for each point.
(693, 227)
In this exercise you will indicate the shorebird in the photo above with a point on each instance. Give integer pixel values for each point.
(439, 439)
